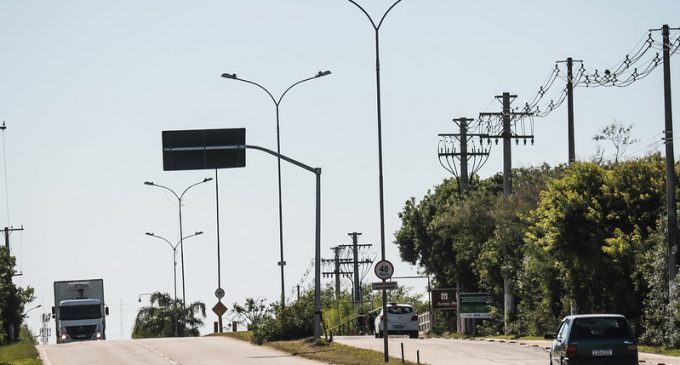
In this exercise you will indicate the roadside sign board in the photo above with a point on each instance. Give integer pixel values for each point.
(219, 309)
(474, 305)
(383, 269)
(385, 285)
(199, 149)
(444, 299)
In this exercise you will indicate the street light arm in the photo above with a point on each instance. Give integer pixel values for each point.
(320, 74)
(367, 15)
(388, 10)
(234, 77)
(191, 186)
(150, 183)
(163, 238)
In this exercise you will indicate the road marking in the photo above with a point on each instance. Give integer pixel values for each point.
(160, 354)
(43, 355)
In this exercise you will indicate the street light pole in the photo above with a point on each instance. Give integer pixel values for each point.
(174, 267)
(380, 162)
(277, 102)
(181, 240)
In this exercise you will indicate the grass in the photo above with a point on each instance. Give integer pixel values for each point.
(20, 353)
(659, 350)
(333, 353)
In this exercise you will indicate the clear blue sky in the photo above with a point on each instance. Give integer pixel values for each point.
(86, 87)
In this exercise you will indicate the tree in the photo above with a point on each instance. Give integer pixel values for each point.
(252, 312)
(158, 319)
(12, 299)
(618, 135)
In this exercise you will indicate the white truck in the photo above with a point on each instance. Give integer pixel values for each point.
(79, 310)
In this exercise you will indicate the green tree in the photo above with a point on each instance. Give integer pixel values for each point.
(12, 299)
(158, 319)
(252, 312)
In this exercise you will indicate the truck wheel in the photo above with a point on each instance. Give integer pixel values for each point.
(413, 334)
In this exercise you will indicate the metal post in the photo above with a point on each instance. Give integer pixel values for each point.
(317, 260)
(281, 262)
(508, 306)
(670, 164)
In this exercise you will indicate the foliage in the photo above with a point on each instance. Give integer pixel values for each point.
(164, 313)
(294, 321)
(22, 352)
(582, 238)
(252, 312)
(618, 135)
(12, 299)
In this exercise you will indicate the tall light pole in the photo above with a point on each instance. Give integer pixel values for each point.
(174, 265)
(181, 241)
(380, 163)
(277, 102)
(174, 252)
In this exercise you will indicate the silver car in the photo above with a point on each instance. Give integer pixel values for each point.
(402, 319)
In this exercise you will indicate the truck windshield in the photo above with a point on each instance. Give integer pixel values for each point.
(89, 311)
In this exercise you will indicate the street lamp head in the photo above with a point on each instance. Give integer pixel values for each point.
(198, 233)
(207, 179)
(323, 73)
(148, 183)
(149, 234)
(229, 76)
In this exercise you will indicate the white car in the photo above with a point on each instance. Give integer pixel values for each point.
(402, 319)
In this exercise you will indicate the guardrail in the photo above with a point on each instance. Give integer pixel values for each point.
(425, 321)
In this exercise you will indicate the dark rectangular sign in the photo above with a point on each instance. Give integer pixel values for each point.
(199, 149)
(444, 299)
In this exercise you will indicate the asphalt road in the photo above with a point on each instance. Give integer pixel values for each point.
(437, 351)
(167, 351)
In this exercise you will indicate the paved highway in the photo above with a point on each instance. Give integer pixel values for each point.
(437, 351)
(167, 351)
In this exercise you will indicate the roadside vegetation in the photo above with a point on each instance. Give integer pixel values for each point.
(583, 238)
(12, 299)
(331, 353)
(22, 352)
(166, 317)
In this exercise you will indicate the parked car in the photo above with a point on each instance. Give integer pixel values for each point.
(593, 339)
(402, 319)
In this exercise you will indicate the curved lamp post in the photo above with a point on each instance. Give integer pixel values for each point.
(181, 243)
(30, 309)
(277, 102)
(174, 254)
(376, 27)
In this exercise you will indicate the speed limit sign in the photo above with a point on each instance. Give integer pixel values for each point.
(384, 269)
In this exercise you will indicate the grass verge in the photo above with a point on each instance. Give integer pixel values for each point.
(20, 353)
(659, 350)
(333, 353)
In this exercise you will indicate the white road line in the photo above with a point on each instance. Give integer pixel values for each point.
(160, 354)
(43, 355)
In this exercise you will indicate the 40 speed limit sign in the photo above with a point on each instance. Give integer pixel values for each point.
(384, 269)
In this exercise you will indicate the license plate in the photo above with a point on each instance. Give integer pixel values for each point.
(602, 352)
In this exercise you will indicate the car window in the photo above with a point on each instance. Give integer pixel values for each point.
(562, 331)
(399, 310)
(600, 328)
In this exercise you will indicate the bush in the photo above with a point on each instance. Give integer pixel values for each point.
(293, 322)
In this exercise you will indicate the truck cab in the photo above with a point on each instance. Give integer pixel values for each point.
(80, 320)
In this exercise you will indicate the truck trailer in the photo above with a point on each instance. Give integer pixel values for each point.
(79, 310)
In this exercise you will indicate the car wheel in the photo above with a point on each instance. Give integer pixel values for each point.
(413, 334)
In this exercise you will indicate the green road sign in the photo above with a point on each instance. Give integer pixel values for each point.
(474, 305)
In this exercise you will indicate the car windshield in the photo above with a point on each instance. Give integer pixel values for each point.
(600, 328)
(71, 312)
(399, 310)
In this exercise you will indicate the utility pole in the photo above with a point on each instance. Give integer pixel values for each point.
(671, 183)
(507, 117)
(447, 153)
(570, 107)
(336, 272)
(6, 231)
(358, 298)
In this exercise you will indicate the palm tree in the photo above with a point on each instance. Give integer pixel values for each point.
(158, 319)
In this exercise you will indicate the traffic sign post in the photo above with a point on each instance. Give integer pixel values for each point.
(384, 269)
(219, 293)
(385, 285)
(219, 309)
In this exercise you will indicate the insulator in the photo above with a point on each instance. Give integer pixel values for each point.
(517, 141)
(496, 140)
(532, 141)
(488, 141)
(525, 141)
